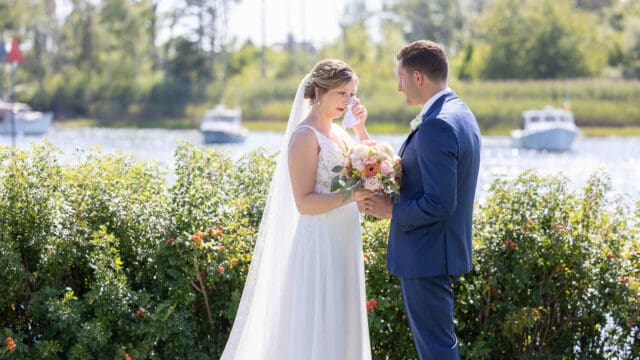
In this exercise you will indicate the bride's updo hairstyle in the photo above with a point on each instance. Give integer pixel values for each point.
(326, 75)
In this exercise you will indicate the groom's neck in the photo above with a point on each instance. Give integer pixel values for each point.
(431, 89)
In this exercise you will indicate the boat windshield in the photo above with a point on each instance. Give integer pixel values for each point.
(218, 118)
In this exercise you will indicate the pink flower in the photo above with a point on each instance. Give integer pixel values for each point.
(386, 167)
(358, 164)
(372, 184)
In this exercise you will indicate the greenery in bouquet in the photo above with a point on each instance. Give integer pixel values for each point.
(370, 166)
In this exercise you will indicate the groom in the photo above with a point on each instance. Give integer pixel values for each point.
(430, 235)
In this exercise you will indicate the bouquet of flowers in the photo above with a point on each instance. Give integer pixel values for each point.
(374, 167)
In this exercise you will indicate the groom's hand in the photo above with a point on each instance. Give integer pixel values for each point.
(380, 206)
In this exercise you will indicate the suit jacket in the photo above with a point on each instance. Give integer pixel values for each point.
(431, 222)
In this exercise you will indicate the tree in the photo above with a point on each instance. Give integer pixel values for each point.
(594, 4)
(437, 20)
(540, 39)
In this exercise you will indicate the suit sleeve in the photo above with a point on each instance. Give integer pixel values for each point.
(437, 155)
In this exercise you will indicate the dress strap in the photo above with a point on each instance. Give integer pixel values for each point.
(322, 139)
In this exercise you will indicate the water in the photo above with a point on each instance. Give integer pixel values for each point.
(619, 157)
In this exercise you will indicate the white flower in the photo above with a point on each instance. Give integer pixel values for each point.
(372, 184)
(416, 122)
(387, 149)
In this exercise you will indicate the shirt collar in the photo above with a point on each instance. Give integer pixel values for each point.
(431, 100)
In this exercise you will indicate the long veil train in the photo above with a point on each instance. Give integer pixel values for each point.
(263, 314)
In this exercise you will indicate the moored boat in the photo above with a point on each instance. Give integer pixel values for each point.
(549, 128)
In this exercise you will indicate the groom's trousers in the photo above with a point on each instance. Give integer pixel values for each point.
(429, 305)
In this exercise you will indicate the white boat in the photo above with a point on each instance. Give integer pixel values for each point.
(25, 121)
(550, 129)
(222, 125)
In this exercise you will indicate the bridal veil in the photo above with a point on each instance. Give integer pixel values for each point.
(263, 313)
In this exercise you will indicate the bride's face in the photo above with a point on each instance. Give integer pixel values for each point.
(334, 102)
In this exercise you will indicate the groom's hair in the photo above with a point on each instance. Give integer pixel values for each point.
(427, 57)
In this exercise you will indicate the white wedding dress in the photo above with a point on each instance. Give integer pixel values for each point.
(329, 318)
(304, 298)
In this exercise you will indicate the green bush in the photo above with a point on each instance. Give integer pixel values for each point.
(551, 274)
(102, 258)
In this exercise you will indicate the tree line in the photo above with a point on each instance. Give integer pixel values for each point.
(106, 59)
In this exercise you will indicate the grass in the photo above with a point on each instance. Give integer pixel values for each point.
(610, 131)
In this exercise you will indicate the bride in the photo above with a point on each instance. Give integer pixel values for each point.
(304, 297)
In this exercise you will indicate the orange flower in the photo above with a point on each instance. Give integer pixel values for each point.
(371, 304)
(127, 357)
(625, 280)
(220, 269)
(611, 256)
(197, 238)
(510, 244)
(366, 256)
(221, 248)
(141, 313)
(371, 168)
(170, 241)
(11, 346)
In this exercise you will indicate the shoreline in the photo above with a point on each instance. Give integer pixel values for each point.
(279, 126)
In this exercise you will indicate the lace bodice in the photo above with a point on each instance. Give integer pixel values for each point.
(330, 155)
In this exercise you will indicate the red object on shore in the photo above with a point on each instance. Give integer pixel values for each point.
(15, 55)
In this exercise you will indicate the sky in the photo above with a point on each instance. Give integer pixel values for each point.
(316, 21)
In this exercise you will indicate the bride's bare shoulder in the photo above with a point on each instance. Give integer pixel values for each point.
(303, 138)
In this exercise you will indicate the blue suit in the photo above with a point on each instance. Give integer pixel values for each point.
(430, 235)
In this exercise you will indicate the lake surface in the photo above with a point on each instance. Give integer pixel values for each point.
(619, 157)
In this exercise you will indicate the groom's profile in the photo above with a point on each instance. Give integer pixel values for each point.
(430, 233)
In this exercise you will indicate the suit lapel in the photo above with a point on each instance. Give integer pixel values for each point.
(406, 142)
(433, 112)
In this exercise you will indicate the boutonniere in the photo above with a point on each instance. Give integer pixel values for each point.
(415, 123)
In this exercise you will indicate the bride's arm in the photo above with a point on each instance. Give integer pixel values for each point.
(303, 163)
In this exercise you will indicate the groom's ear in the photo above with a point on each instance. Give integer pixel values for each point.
(418, 77)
